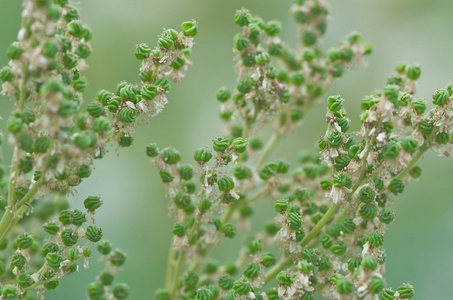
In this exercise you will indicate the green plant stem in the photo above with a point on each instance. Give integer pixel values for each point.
(170, 265)
(273, 141)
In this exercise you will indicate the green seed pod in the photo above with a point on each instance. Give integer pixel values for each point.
(106, 278)
(353, 263)
(179, 229)
(163, 83)
(9, 291)
(144, 76)
(368, 211)
(375, 238)
(239, 144)
(225, 115)
(95, 290)
(284, 279)
(294, 220)
(228, 230)
(268, 259)
(396, 186)
(413, 71)
(104, 247)
(129, 92)
(440, 96)
(419, 105)
(242, 17)
(24, 241)
(165, 42)
(240, 42)
(170, 156)
(186, 171)
(104, 96)
(95, 109)
(114, 103)
(425, 127)
(442, 137)
(24, 281)
(121, 291)
(392, 93)
(386, 215)
(73, 253)
(41, 145)
(255, 142)
(166, 176)
(416, 172)
(162, 295)
(341, 162)
(189, 28)
(271, 228)
(344, 286)
(127, 115)
(245, 85)
(18, 261)
(326, 241)
(335, 139)
(83, 140)
(285, 96)
(387, 294)
(117, 257)
(49, 248)
(262, 58)
(240, 171)
(75, 217)
(152, 150)
(366, 195)
(341, 180)
(14, 51)
(391, 149)
(273, 27)
(347, 225)
(369, 262)
(225, 282)
(69, 237)
(281, 166)
(53, 260)
(326, 183)
(281, 205)
(339, 248)
(70, 60)
(94, 233)
(406, 291)
(223, 94)
(403, 99)
(6, 74)
(409, 144)
(335, 103)
(142, 51)
(101, 125)
(125, 140)
(225, 183)
(376, 284)
(252, 270)
(51, 228)
(149, 91)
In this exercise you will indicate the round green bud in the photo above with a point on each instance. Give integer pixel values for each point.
(117, 257)
(295, 220)
(242, 17)
(83, 50)
(409, 144)
(179, 229)
(240, 171)
(125, 140)
(162, 295)
(225, 282)
(70, 60)
(339, 248)
(347, 225)
(144, 76)
(392, 93)
(189, 28)
(166, 176)
(375, 238)
(285, 96)
(255, 142)
(344, 286)
(24, 281)
(14, 51)
(240, 41)
(353, 263)
(204, 294)
(387, 294)
(186, 171)
(296, 78)
(53, 260)
(149, 91)
(6, 74)
(418, 104)
(442, 137)
(242, 286)
(95, 109)
(18, 261)
(326, 183)
(51, 228)
(406, 291)
(152, 150)
(170, 156)
(252, 270)
(368, 211)
(225, 114)
(75, 217)
(425, 127)
(106, 278)
(165, 42)
(24, 241)
(49, 248)
(69, 237)
(281, 205)
(127, 115)
(228, 230)
(163, 83)
(73, 253)
(268, 259)
(121, 291)
(94, 233)
(284, 278)
(341, 162)
(369, 262)
(221, 143)
(386, 215)
(142, 51)
(326, 241)
(376, 284)
(95, 290)
(9, 291)
(396, 186)
(413, 71)
(114, 103)
(223, 94)
(101, 125)
(403, 98)
(366, 195)
(104, 247)
(83, 140)
(273, 28)
(41, 144)
(225, 183)
(15, 125)
(440, 96)
(245, 85)
(416, 172)
(341, 180)
(262, 58)
(335, 139)
(239, 144)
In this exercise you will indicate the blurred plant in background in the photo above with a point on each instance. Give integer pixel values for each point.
(331, 213)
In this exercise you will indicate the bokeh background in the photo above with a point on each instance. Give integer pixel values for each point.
(134, 216)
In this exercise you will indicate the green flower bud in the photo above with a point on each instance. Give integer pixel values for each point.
(252, 270)
(127, 115)
(117, 257)
(189, 28)
(166, 176)
(369, 262)
(83, 51)
(239, 144)
(341, 162)
(83, 140)
(186, 171)
(387, 294)
(335, 139)
(339, 248)
(368, 211)
(347, 225)
(149, 91)
(70, 60)
(240, 41)
(223, 94)
(326, 241)
(114, 103)
(142, 51)
(406, 291)
(271, 228)
(391, 149)
(51, 228)
(95, 290)
(228, 230)
(344, 286)
(375, 238)
(49, 248)
(403, 98)
(73, 253)
(418, 104)
(396, 186)
(24, 241)
(69, 237)
(413, 71)
(281, 205)
(9, 291)
(104, 96)
(163, 83)
(95, 109)
(416, 172)
(326, 183)
(442, 137)
(41, 145)
(24, 281)
(294, 220)
(262, 58)
(409, 144)
(94, 233)
(366, 195)
(152, 150)
(225, 282)
(268, 259)
(341, 180)
(170, 156)
(284, 279)
(18, 261)
(255, 142)
(106, 278)
(240, 171)
(75, 217)
(273, 28)
(101, 125)
(440, 96)
(53, 260)
(242, 17)
(125, 140)
(386, 215)
(179, 229)
(285, 97)
(6, 74)
(14, 51)
(392, 93)
(245, 85)
(121, 291)
(425, 127)
(165, 42)
(225, 183)
(144, 76)
(267, 172)
(353, 263)
(104, 247)
(376, 284)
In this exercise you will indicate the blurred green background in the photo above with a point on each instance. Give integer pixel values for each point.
(134, 216)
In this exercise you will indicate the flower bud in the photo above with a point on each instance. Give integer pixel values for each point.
(223, 94)
(344, 286)
(240, 171)
(262, 58)
(353, 263)
(228, 230)
(142, 51)
(245, 85)
(9, 291)
(368, 211)
(165, 42)
(387, 294)
(49, 248)
(94, 233)
(24, 241)
(392, 93)
(240, 41)
(51, 228)
(225, 183)
(326, 241)
(166, 176)
(69, 237)
(440, 96)
(53, 260)
(121, 291)
(14, 51)
(335, 139)
(179, 229)
(396, 186)
(242, 17)
(369, 262)
(149, 91)
(284, 279)
(127, 115)
(406, 291)
(295, 222)
(413, 71)
(409, 144)
(418, 104)
(225, 282)
(6, 74)
(375, 238)
(152, 150)
(75, 217)
(425, 127)
(347, 225)
(442, 137)
(163, 83)
(104, 247)
(239, 144)
(252, 270)
(117, 257)
(339, 248)
(376, 284)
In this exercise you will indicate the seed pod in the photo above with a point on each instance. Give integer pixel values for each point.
(24, 241)
(69, 237)
(127, 115)
(94, 233)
